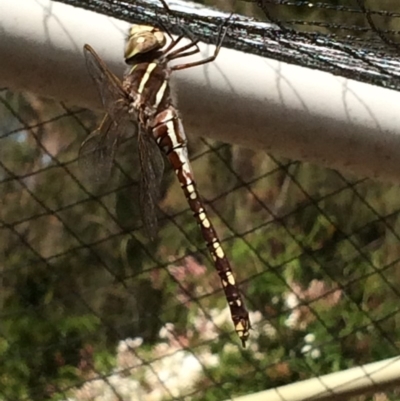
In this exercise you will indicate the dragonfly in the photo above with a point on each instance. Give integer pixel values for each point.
(142, 101)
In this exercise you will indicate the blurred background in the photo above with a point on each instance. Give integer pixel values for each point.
(90, 309)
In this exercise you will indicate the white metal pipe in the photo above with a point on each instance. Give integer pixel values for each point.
(256, 102)
(336, 386)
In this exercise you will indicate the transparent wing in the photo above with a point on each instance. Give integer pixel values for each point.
(97, 152)
(112, 94)
(152, 169)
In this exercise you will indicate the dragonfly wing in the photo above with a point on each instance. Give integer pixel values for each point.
(112, 94)
(97, 151)
(152, 169)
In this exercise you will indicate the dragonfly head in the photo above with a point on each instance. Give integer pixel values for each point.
(143, 39)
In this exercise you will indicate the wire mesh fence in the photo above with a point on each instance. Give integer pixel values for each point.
(93, 310)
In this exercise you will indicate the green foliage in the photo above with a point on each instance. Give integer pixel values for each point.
(78, 284)
(40, 353)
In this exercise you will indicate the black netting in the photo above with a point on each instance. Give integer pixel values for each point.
(355, 39)
(93, 310)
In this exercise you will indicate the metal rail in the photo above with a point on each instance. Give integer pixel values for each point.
(256, 102)
(336, 386)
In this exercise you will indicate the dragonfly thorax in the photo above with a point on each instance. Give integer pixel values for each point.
(143, 39)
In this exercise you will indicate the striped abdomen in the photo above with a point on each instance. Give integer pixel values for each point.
(169, 134)
(148, 85)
